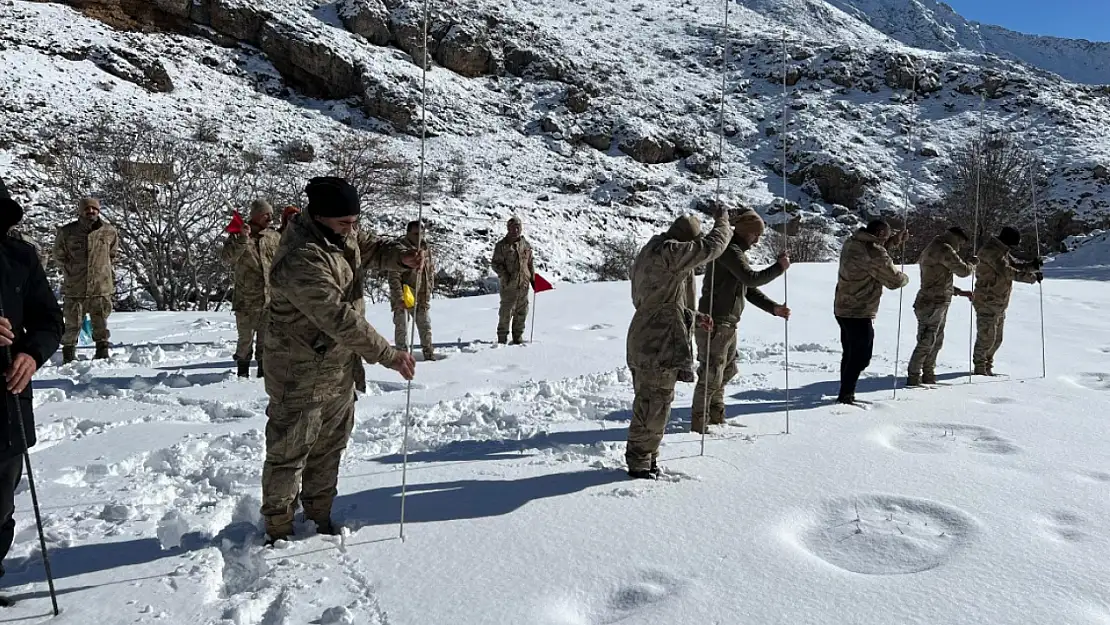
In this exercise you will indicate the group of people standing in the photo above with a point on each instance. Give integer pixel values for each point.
(300, 309)
(659, 350)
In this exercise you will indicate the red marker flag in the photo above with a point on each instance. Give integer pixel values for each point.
(236, 225)
(539, 284)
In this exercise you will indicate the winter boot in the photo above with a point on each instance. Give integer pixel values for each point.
(429, 356)
(260, 373)
(275, 533)
(981, 370)
(101, 351)
(698, 427)
(326, 527)
(518, 340)
(502, 339)
(928, 378)
(69, 354)
(643, 474)
(846, 399)
(244, 368)
(914, 379)
(655, 470)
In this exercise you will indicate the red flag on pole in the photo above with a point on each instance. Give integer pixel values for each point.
(236, 226)
(539, 284)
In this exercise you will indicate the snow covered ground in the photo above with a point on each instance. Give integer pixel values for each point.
(966, 503)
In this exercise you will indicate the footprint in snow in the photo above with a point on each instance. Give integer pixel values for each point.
(940, 438)
(1064, 526)
(1090, 381)
(885, 534)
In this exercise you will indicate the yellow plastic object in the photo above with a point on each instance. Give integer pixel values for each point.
(408, 297)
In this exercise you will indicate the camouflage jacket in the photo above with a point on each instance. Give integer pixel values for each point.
(86, 253)
(250, 258)
(317, 331)
(733, 281)
(865, 268)
(938, 263)
(663, 295)
(409, 277)
(996, 273)
(512, 261)
(19, 235)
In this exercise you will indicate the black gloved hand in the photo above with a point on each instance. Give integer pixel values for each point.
(1039, 276)
(1037, 263)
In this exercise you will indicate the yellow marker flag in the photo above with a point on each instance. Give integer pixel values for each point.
(407, 296)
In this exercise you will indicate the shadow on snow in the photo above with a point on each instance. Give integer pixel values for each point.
(425, 503)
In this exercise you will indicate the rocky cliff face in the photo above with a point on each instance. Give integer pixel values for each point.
(592, 121)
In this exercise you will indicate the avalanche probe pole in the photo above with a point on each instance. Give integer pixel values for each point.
(31, 479)
(419, 248)
(785, 232)
(905, 230)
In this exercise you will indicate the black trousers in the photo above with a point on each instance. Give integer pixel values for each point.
(857, 337)
(11, 471)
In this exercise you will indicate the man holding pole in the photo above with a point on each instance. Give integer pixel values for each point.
(30, 332)
(997, 271)
(939, 262)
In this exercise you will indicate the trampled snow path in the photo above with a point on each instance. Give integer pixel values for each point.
(966, 503)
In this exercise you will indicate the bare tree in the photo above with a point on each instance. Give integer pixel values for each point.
(459, 177)
(168, 197)
(805, 245)
(616, 259)
(383, 180)
(990, 180)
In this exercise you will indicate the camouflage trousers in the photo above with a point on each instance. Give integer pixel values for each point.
(74, 310)
(514, 311)
(304, 444)
(988, 337)
(401, 326)
(251, 327)
(930, 338)
(651, 409)
(713, 375)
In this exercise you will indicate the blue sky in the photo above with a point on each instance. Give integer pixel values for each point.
(1085, 19)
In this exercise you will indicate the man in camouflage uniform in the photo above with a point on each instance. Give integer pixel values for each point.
(250, 255)
(659, 352)
(421, 282)
(316, 339)
(865, 268)
(86, 250)
(730, 281)
(995, 276)
(938, 263)
(512, 261)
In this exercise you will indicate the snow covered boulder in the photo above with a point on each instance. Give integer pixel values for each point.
(467, 50)
(307, 60)
(388, 101)
(645, 143)
(837, 183)
(238, 19)
(367, 18)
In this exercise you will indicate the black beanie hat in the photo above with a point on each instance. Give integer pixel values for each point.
(1010, 237)
(332, 197)
(10, 211)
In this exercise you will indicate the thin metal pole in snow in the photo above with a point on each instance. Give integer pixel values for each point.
(419, 246)
(1040, 285)
(713, 265)
(31, 480)
(905, 222)
(785, 233)
(535, 298)
(975, 242)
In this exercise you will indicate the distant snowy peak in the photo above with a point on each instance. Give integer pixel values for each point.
(933, 25)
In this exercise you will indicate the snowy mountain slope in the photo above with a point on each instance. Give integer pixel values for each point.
(607, 129)
(933, 25)
(967, 503)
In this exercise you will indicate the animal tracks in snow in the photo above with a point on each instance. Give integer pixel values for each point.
(885, 534)
(1090, 381)
(1064, 526)
(940, 438)
(624, 602)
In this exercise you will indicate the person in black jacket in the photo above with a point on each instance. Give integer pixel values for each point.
(30, 331)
